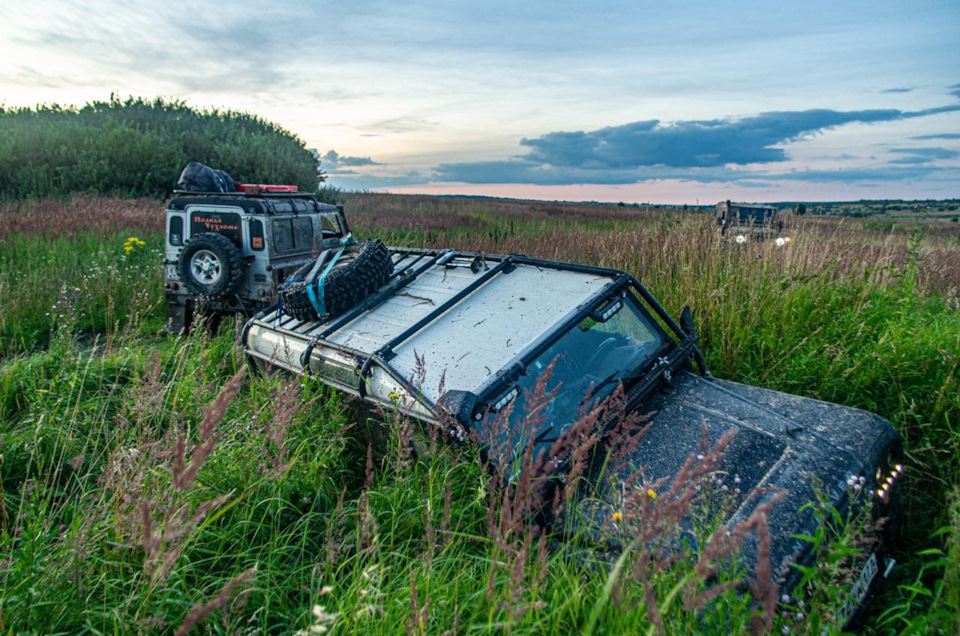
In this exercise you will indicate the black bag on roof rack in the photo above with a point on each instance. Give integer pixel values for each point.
(229, 185)
(197, 177)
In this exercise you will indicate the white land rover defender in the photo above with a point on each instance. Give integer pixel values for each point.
(229, 252)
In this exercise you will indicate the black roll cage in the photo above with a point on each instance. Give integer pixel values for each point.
(680, 340)
(684, 343)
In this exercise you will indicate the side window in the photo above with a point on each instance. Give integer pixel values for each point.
(176, 230)
(256, 235)
(282, 235)
(293, 235)
(331, 225)
(303, 234)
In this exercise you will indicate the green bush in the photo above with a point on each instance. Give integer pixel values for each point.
(137, 147)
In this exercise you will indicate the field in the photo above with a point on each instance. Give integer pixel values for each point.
(148, 485)
(885, 212)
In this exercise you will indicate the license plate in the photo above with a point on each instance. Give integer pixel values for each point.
(859, 590)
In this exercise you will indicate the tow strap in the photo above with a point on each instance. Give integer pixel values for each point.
(317, 296)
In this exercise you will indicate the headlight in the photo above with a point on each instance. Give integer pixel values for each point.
(781, 242)
(741, 239)
(886, 482)
(506, 398)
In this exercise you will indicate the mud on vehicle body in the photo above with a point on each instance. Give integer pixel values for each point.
(485, 327)
(229, 252)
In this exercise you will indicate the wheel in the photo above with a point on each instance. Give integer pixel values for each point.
(361, 269)
(210, 265)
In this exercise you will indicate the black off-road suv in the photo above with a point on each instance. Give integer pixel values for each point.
(460, 340)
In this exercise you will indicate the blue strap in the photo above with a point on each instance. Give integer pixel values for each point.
(316, 297)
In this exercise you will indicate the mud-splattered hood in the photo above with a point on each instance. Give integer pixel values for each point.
(785, 442)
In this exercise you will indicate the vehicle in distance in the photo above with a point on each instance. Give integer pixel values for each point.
(741, 222)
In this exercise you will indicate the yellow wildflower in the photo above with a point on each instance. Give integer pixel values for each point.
(652, 494)
(132, 243)
(617, 516)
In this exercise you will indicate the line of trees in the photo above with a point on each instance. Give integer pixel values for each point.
(137, 147)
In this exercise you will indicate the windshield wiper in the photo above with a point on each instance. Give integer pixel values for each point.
(604, 382)
(618, 376)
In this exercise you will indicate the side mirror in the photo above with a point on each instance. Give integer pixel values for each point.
(459, 404)
(686, 322)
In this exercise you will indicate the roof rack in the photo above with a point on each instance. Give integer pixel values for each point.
(259, 195)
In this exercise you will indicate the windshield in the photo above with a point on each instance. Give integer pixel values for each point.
(615, 342)
(755, 215)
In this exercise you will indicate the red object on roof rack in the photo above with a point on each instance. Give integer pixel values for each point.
(257, 188)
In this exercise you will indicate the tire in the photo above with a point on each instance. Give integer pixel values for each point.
(362, 269)
(210, 265)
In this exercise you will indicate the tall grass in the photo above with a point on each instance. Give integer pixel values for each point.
(286, 497)
(844, 314)
(130, 506)
(87, 284)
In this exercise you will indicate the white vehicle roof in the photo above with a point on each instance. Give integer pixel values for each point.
(463, 316)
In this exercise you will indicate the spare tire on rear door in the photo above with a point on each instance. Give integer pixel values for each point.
(361, 269)
(210, 265)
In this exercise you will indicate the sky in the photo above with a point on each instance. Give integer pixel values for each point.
(666, 102)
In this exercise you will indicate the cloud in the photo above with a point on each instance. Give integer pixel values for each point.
(955, 90)
(909, 161)
(234, 51)
(857, 175)
(400, 125)
(530, 172)
(927, 153)
(938, 136)
(698, 144)
(504, 172)
(896, 90)
(334, 162)
(701, 150)
(340, 173)
(375, 182)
